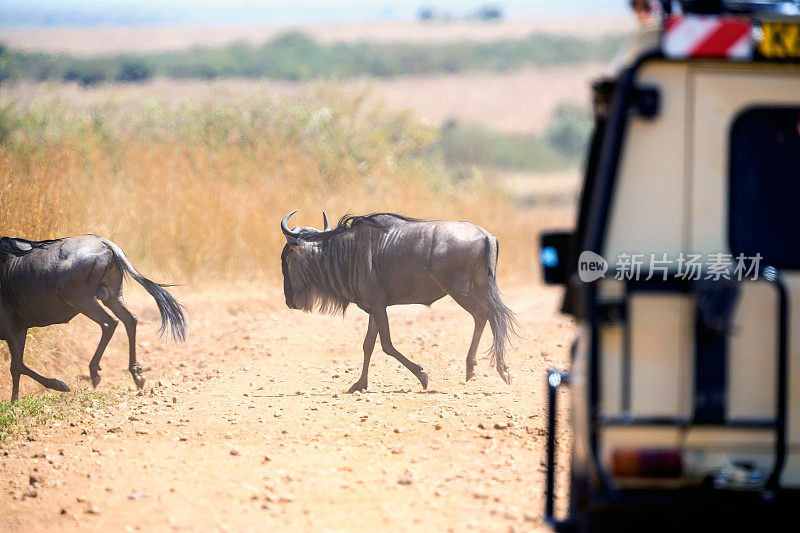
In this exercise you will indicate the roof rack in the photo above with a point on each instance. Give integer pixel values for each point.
(784, 7)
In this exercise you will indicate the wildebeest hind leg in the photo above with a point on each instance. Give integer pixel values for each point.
(369, 346)
(382, 321)
(92, 309)
(480, 323)
(18, 367)
(475, 307)
(117, 306)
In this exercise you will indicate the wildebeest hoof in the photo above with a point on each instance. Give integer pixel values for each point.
(138, 378)
(60, 386)
(506, 375)
(357, 386)
(470, 375)
(423, 379)
(95, 379)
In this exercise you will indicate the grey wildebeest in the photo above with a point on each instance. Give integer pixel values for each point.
(49, 282)
(384, 259)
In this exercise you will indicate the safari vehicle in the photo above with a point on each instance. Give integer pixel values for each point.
(684, 383)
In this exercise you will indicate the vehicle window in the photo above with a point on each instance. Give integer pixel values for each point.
(765, 186)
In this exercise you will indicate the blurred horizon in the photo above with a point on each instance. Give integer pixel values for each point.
(55, 13)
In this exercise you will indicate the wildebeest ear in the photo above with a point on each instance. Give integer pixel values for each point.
(22, 245)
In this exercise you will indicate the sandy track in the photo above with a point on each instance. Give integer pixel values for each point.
(252, 431)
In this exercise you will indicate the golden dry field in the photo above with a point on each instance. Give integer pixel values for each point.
(195, 190)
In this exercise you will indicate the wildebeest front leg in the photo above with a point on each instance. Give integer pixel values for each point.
(17, 347)
(92, 309)
(382, 321)
(7, 332)
(16, 366)
(117, 306)
(369, 346)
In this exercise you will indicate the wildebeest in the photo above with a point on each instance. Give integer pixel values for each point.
(49, 282)
(384, 259)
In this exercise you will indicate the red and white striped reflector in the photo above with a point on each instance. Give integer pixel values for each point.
(688, 36)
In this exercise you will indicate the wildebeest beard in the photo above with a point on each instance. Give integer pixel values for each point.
(324, 278)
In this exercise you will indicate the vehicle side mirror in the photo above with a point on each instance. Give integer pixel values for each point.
(554, 252)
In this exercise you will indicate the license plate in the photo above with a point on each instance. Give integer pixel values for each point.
(781, 40)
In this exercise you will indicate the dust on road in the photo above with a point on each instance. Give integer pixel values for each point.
(251, 428)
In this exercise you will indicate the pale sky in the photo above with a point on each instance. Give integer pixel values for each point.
(126, 12)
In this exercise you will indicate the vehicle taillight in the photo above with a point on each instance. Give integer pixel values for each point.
(646, 462)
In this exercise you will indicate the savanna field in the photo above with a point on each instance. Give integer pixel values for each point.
(247, 426)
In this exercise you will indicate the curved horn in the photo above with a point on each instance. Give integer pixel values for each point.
(325, 225)
(285, 226)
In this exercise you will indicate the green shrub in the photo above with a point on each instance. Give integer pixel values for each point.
(134, 69)
(9, 121)
(568, 129)
(562, 144)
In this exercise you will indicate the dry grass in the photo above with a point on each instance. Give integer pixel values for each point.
(196, 191)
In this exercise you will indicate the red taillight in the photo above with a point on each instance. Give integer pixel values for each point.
(646, 462)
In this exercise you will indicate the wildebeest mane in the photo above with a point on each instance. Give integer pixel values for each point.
(348, 222)
(9, 245)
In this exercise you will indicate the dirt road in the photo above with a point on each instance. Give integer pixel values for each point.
(251, 429)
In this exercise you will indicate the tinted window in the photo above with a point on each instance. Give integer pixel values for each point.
(765, 186)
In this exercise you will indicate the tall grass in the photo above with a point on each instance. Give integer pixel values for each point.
(196, 192)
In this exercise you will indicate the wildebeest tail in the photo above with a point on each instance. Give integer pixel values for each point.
(171, 310)
(501, 318)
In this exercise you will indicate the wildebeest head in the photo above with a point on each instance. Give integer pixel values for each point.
(297, 291)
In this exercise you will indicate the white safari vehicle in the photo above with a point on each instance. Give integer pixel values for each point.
(683, 275)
